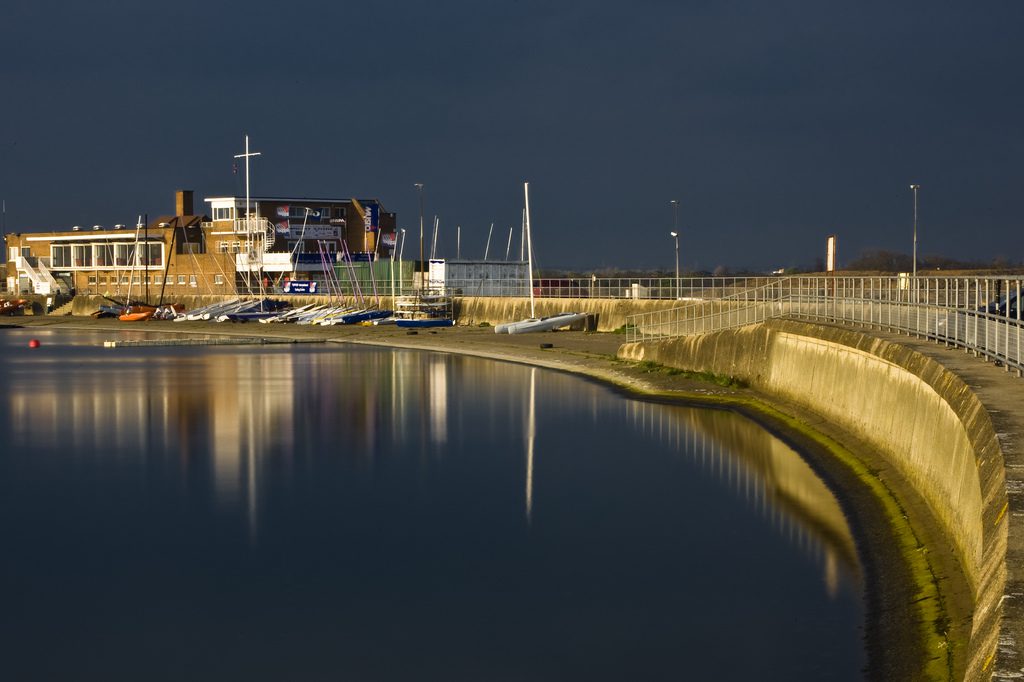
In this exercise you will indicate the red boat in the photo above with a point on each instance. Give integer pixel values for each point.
(137, 313)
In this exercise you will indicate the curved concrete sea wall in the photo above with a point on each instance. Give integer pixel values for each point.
(927, 423)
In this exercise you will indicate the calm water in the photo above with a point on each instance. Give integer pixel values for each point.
(328, 513)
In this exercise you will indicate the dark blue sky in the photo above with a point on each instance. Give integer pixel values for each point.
(774, 124)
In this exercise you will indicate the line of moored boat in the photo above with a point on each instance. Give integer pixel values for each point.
(267, 311)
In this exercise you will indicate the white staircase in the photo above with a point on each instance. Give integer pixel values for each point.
(43, 282)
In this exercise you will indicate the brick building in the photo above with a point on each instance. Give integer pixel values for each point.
(188, 253)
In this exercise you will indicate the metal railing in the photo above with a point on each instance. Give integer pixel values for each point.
(979, 314)
(659, 288)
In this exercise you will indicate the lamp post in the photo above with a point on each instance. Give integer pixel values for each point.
(400, 269)
(419, 189)
(675, 235)
(914, 189)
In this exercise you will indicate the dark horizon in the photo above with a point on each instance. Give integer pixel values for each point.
(773, 126)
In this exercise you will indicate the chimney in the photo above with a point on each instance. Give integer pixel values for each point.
(183, 202)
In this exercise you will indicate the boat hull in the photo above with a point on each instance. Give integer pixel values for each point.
(426, 322)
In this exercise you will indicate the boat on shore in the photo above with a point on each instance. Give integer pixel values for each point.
(9, 306)
(421, 322)
(533, 323)
(543, 324)
(137, 313)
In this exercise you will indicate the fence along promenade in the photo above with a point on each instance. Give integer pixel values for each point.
(979, 314)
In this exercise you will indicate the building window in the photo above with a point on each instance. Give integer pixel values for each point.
(339, 211)
(152, 254)
(81, 255)
(60, 256)
(123, 254)
(222, 247)
(192, 280)
(224, 213)
(92, 280)
(218, 279)
(181, 280)
(325, 213)
(236, 247)
(136, 280)
(103, 255)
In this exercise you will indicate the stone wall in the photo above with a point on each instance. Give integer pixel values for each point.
(922, 417)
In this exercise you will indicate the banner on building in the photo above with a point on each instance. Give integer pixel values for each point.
(370, 214)
(389, 239)
(371, 220)
(298, 286)
(360, 257)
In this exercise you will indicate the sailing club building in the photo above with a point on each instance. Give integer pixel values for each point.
(225, 251)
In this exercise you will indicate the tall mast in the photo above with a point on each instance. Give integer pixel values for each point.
(529, 243)
(248, 223)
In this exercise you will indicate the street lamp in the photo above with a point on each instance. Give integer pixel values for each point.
(675, 235)
(914, 189)
(400, 269)
(419, 188)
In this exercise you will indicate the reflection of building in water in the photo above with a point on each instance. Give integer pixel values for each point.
(437, 403)
(766, 473)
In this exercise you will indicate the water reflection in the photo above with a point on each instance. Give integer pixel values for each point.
(766, 474)
(311, 498)
(247, 409)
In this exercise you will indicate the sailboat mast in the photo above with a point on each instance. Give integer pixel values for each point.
(487, 249)
(134, 260)
(248, 224)
(529, 243)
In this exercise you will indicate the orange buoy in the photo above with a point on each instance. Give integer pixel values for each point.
(34, 343)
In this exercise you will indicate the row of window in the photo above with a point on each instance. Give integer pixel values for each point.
(322, 213)
(236, 246)
(155, 280)
(106, 255)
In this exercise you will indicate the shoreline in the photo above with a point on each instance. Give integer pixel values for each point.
(889, 522)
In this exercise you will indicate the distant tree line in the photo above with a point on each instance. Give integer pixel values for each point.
(880, 260)
(877, 260)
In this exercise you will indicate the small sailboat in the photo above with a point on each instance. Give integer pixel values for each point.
(137, 313)
(421, 322)
(532, 323)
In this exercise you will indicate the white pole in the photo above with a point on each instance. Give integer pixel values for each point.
(433, 245)
(458, 242)
(522, 239)
(487, 249)
(529, 242)
(248, 224)
(508, 247)
(914, 189)
(401, 251)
